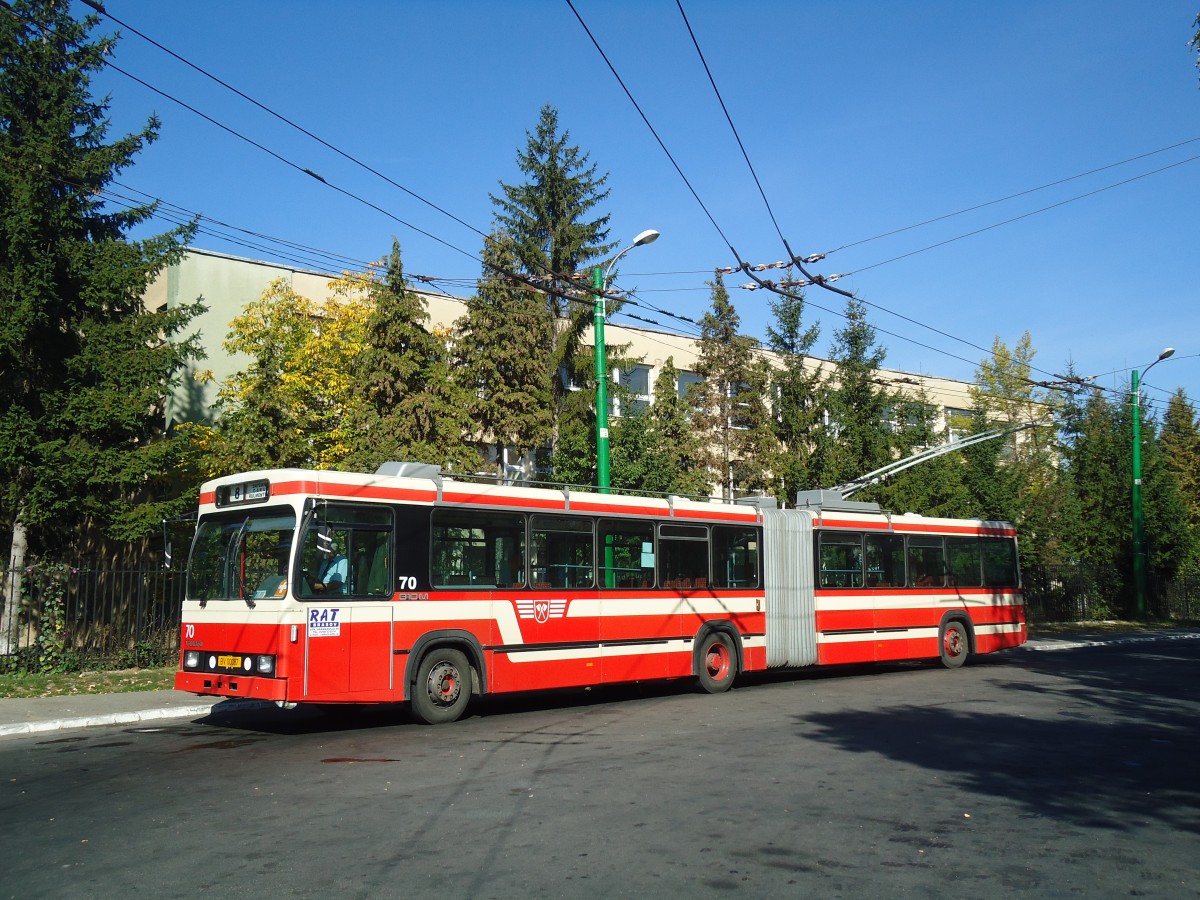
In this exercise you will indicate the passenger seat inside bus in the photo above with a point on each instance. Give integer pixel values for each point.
(378, 582)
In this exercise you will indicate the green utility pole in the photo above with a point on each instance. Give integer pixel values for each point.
(1139, 525)
(602, 477)
(599, 285)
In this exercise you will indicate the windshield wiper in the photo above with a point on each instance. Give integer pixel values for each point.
(241, 557)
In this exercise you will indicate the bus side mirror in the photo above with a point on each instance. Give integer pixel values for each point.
(325, 541)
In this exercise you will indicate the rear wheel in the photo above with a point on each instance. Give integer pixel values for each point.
(716, 663)
(954, 644)
(443, 687)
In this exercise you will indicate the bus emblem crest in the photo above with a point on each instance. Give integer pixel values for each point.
(543, 609)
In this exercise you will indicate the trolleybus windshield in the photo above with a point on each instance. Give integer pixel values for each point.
(241, 556)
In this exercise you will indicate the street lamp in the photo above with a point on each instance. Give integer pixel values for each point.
(1139, 525)
(599, 285)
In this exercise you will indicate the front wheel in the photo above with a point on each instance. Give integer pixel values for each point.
(443, 687)
(716, 663)
(954, 645)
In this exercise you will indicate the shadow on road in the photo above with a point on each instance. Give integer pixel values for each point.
(1116, 751)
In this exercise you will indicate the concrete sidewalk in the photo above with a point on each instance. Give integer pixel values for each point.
(47, 714)
(43, 714)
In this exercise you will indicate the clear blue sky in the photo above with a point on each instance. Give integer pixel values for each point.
(859, 119)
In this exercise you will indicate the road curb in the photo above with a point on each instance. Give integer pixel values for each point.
(121, 718)
(132, 718)
(1049, 645)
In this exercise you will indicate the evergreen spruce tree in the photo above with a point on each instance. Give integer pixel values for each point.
(557, 233)
(681, 468)
(1094, 523)
(860, 409)
(551, 216)
(1167, 534)
(1180, 439)
(503, 358)
(731, 413)
(799, 402)
(413, 408)
(989, 486)
(1096, 460)
(84, 368)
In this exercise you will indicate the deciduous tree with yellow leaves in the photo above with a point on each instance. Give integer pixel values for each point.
(292, 404)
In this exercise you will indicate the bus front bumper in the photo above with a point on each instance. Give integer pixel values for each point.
(218, 685)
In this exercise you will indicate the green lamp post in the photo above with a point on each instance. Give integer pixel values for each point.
(1139, 524)
(599, 286)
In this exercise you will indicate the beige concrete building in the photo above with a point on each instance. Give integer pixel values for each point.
(227, 284)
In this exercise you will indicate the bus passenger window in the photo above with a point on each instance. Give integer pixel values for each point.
(964, 561)
(626, 553)
(841, 560)
(682, 556)
(926, 562)
(561, 552)
(1000, 562)
(477, 549)
(735, 556)
(885, 560)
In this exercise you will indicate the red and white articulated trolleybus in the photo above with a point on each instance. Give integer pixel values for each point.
(405, 585)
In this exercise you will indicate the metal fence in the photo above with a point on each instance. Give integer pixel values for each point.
(1071, 593)
(1084, 593)
(70, 617)
(1179, 599)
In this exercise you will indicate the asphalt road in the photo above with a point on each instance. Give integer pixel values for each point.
(1035, 774)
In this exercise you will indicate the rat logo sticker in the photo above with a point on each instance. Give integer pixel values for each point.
(324, 622)
(542, 610)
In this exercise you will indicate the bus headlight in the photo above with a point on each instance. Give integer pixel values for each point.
(266, 665)
(191, 659)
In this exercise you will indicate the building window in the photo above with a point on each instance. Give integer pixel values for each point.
(958, 422)
(635, 382)
(685, 382)
(739, 406)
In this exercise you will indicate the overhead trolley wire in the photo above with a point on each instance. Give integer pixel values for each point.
(94, 4)
(824, 281)
(1034, 212)
(290, 163)
(820, 280)
(729, 119)
(566, 294)
(646, 120)
(387, 213)
(1014, 196)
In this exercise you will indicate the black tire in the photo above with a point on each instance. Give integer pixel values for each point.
(716, 662)
(443, 686)
(954, 644)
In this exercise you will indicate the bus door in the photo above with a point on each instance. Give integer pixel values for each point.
(345, 583)
(891, 605)
(636, 621)
(562, 596)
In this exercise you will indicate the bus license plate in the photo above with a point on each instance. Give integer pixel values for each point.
(229, 662)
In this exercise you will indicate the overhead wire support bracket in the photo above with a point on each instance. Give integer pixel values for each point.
(820, 281)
